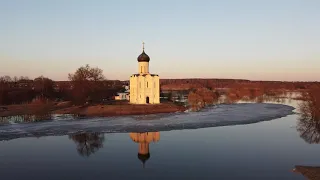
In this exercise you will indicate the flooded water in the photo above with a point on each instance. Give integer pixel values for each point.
(264, 150)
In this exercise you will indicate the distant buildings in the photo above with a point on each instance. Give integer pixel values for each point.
(144, 87)
(123, 95)
(175, 95)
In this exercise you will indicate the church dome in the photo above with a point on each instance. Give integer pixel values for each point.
(143, 158)
(143, 57)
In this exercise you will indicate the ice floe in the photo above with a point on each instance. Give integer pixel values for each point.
(220, 115)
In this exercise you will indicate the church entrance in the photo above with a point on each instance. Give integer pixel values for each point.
(147, 99)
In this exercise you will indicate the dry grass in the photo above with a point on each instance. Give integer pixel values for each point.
(116, 110)
(23, 109)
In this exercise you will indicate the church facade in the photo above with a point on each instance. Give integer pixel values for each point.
(144, 87)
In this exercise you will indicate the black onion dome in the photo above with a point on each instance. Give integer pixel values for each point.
(143, 57)
(143, 157)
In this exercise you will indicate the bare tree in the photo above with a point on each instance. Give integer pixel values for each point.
(87, 73)
(85, 82)
(6, 79)
(4, 86)
(24, 79)
(44, 86)
(15, 79)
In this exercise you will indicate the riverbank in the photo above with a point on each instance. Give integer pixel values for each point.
(90, 110)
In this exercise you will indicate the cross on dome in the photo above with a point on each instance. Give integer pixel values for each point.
(143, 57)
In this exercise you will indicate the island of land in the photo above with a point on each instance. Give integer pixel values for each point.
(90, 110)
(88, 98)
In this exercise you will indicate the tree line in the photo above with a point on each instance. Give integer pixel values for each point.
(235, 84)
(86, 84)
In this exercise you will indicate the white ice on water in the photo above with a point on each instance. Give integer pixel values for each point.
(220, 115)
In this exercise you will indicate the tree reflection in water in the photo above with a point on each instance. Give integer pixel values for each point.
(88, 143)
(309, 120)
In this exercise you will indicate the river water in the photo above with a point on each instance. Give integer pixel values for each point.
(264, 150)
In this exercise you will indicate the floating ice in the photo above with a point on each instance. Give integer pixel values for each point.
(220, 115)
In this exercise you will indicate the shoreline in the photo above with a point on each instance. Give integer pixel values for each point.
(94, 110)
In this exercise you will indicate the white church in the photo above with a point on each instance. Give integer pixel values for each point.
(144, 87)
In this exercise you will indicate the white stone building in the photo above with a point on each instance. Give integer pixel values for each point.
(122, 96)
(144, 87)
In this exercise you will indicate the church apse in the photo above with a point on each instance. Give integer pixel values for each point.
(144, 139)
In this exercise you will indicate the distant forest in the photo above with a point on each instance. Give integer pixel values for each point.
(86, 84)
(181, 84)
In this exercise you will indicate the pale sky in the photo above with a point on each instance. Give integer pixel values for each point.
(247, 39)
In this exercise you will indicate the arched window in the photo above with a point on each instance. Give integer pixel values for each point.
(147, 84)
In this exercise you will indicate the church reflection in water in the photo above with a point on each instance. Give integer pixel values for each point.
(89, 143)
(144, 139)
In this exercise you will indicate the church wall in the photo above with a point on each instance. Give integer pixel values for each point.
(156, 89)
(145, 86)
(133, 89)
(143, 67)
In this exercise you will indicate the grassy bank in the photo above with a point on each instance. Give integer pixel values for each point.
(90, 110)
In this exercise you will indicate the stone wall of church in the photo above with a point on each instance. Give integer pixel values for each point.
(143, 67)
(144, 89)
